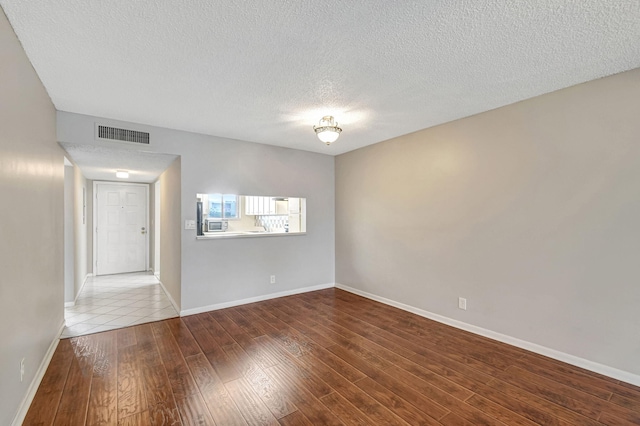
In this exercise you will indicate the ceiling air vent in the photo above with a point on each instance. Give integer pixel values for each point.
(122, 135)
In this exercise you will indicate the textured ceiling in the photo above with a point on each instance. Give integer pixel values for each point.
(101, 163)
(267, 71)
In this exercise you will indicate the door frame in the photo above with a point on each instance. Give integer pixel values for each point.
(95, 219)
(157, 188)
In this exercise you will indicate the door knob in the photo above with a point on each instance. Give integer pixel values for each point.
(143, 230)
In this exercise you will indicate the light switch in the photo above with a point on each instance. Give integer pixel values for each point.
(189, 224)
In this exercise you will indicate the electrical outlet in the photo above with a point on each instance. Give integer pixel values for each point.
(22, 369)
(273, 279)
(462, 303)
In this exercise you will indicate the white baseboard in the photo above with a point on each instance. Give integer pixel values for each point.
(224, 305)
(70, 304)
(35, 383)
(606, 370)
(173, 302)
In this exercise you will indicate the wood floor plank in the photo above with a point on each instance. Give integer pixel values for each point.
(563, 395)
(499, 412)
(611, 420)
(253, 314)
(588, 384)
(345, 411)
(630, 403)
(295, 419)
(47, 399)
(126, 337)
(367, 332)
(75, 397)
(225, 367)
(370, 350)
(296, 343)
(218, 332)
(247, 326)
(186, 342)
(222, 317)
(326, 357)
(310, 406)
(266, 310)
(250, 404)
(203, 372)
(180, 378)
(533, 406)
(103, 401)
(203, 337)
(194, 412)
(378, 413)
(311, 382)
(160, 400)
(131, 397)
(399, 382)
(341, 367)
(399, 406)
(430, 399)
(221, 407)
(453, 419)
(277, 402)
(138, 419)
(255, 350)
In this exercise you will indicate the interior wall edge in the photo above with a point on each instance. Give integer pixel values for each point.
(69, 304)
(37, 379)
(593, 366)
(173, 302)
(261, 298)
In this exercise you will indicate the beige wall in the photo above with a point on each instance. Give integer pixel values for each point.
(89, 185)
(531, 212)
(31, 223)
(170, 230)
(69, 256)
(80, 229)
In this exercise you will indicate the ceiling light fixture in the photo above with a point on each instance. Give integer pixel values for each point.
(327, 130)
(122, 174)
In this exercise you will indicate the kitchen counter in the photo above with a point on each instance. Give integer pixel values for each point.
(245, 234)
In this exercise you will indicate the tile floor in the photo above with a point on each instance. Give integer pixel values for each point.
(115, 301)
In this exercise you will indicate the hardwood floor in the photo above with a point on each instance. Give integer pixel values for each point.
(321, 358)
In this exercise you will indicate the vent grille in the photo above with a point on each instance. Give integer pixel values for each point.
(124, 135)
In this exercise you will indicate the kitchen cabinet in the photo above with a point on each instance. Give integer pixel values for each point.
(294, 205)
(256, 205)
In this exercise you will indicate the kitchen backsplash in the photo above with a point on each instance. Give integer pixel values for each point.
(272, 223)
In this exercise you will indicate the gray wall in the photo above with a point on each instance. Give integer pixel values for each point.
(531, 212)
(31, 223)
(170, 234)
(227, 270)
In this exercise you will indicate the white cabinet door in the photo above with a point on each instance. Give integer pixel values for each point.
(294, 205)
(248, 205)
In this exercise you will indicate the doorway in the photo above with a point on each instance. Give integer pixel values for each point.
(121, 238)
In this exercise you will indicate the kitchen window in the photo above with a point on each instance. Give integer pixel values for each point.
(223, 206)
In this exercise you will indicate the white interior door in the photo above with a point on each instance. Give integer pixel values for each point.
(121, 232)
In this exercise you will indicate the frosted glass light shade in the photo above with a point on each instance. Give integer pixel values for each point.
(327, 130)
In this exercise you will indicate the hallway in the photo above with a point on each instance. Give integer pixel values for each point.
(110, 302)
